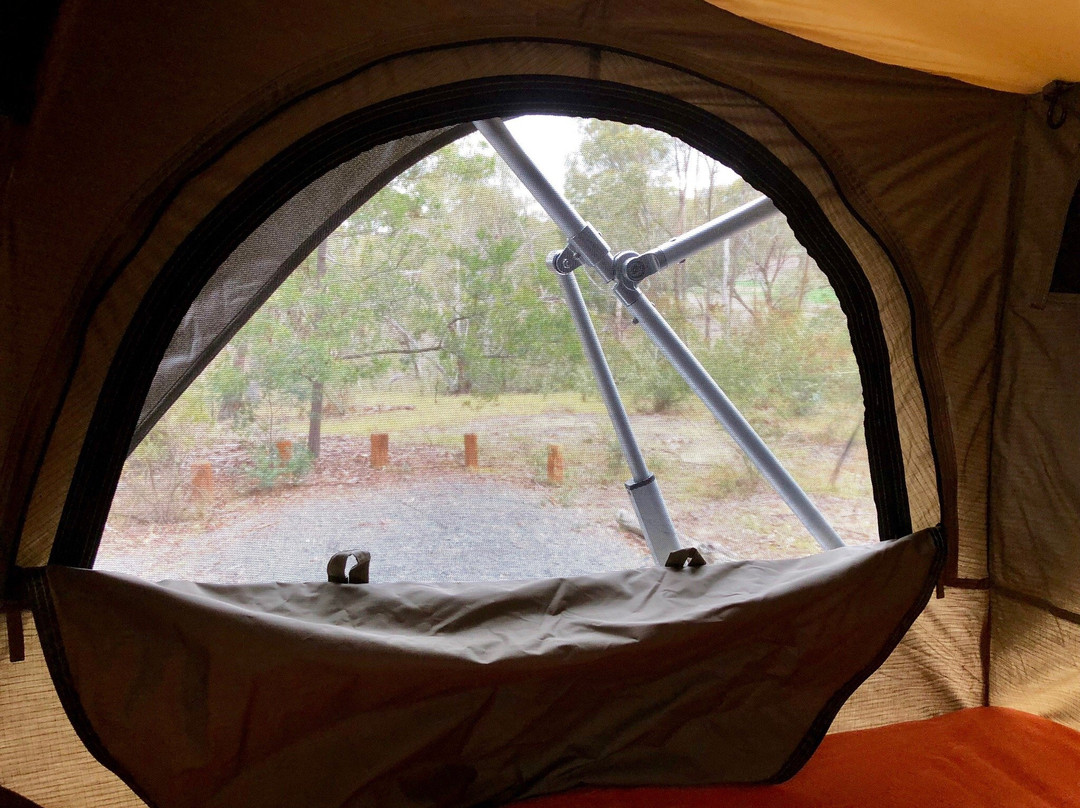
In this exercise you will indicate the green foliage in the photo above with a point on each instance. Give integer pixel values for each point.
(792, 365)
(726, 481)
(439, 280)
(648, 383)
(440, 276)
(160, 463)
(266, 469)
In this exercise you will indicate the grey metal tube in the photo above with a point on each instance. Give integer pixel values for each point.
(682, 247)
(730, 418)
(644, 490)
(561, 212)
(604, 380)
(572, 225)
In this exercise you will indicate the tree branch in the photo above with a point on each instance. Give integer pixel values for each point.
(366, 354)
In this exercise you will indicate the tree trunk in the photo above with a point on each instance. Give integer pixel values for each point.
(708, 315)
(464, 384)
(314, 435)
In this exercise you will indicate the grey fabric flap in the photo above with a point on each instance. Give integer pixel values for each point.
(465, 694)
(269, 255)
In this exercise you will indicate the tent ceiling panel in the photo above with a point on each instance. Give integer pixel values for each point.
(1017, 47)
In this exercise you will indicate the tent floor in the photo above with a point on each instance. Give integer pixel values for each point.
(985, 756)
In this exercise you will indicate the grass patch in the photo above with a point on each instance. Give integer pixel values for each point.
(460, 412)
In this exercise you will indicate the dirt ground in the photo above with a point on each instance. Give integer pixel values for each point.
(427, 518)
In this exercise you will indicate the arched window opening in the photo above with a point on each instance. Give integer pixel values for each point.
(416, 387)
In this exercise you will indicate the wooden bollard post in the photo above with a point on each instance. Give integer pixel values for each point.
(555, 464)
(472, 452)
(202, 480)
(380, 451)
(284, 450)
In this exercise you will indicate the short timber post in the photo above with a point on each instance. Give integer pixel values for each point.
(472, 453)
(555, 465)
(202, 481)
(380, 450)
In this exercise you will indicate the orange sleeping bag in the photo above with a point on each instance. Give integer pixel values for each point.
(985, 756)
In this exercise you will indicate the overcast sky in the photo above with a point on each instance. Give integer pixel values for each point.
(550, 139)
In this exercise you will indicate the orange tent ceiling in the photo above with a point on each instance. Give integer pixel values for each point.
(1013, 45)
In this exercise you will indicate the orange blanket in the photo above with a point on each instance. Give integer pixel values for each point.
(987, 756)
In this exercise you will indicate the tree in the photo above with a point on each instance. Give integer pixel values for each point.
(472, 302)
(287, 351)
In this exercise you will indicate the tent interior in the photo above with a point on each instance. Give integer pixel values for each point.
(336, 412)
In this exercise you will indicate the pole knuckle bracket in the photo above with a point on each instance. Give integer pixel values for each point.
(564, 261)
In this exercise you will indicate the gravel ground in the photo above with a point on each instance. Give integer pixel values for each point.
(461, 528)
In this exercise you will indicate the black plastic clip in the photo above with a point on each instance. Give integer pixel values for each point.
(335, 570)
(686, 557)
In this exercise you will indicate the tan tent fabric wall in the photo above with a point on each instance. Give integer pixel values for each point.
(1018, 47)
(1033, 660)
(1035, 479)
(1035, 505)
(41, 757)
(123, 157)
(937, 668)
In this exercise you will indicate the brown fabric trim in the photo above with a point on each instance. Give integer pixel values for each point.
(984, 652)
(820, 727)
(9, 799)
(968, 583)
(1038, 603)
(15, 639)
(52, 645)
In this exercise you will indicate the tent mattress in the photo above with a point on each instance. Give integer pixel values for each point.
(984, 756)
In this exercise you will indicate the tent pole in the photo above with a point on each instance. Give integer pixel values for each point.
(637, 268)
(695, 375)
(587, 246)
(644, 490)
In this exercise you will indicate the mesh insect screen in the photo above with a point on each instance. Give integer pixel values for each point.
(416, 387)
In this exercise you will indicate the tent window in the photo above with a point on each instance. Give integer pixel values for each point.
(1067, 268)
(415, 386)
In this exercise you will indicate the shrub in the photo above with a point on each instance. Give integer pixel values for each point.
(266, 468)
